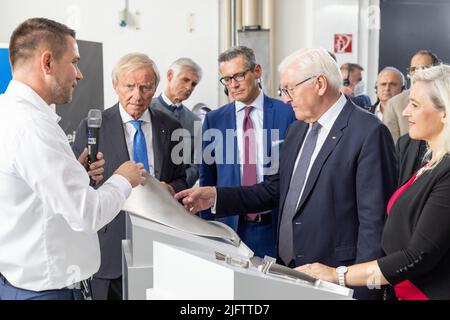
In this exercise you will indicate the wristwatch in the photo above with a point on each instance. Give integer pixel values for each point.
(341, 271)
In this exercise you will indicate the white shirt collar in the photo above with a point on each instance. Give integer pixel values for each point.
(17, 88)
(378, 112)
(127, 118)
(329, 117)
(168, 102)
(257, 104)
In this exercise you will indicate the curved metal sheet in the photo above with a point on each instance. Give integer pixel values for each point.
(153, 202)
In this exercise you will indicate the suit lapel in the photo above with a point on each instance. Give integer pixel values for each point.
(159, 139)
(116, 134)
(229, 123)
(330, 143)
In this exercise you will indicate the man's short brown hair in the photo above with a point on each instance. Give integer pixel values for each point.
(34, 33)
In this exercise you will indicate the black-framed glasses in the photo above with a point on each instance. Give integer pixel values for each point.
(289, 91)
(237, 77)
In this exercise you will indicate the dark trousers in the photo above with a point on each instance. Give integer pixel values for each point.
(258, 236)
(9, 292)
(106, 289)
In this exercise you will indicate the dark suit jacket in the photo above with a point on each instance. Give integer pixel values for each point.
(341, 213)
(113, 145)
(187, 119)
(416, 237)
(410, 155)
(277, 116)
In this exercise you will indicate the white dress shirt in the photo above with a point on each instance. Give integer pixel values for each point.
(257, 116)
(326, 121)
(168, 102)
(378, 112)
(49, 216)
(130, 130)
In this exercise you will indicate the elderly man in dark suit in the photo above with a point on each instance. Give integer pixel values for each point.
(131, 130)
(337, 172)
(182, 78)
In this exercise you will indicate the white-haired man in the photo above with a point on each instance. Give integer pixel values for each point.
(390, 82)
(182, 78)
(131, 130)
(332, 206)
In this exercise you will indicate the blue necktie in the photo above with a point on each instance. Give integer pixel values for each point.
(140, 146)
(286, 241)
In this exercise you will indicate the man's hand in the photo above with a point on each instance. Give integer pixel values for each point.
(96, 169)
(133, 172)
(168, 187)
(197, 199)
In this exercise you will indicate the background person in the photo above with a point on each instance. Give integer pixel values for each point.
(183, 77)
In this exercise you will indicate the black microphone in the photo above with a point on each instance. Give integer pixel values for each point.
(94, 122)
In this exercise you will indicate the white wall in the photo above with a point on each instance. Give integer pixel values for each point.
(313, 23)
(163, 36)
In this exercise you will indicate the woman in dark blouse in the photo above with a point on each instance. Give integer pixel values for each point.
(416, 238)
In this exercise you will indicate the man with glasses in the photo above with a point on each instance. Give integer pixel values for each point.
(337, 172)
(131, 130)
(390, 82)
(392, 117)
(258, 125)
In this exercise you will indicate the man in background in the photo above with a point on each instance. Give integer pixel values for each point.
(182, 78)
(250, 113)
(390, 82)
(353, 86)
(393, 118)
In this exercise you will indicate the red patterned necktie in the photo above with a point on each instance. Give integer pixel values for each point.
(249, 161)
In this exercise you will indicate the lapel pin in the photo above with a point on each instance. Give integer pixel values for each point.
(334, 138)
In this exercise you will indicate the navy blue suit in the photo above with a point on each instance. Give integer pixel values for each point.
(260, 237)
(341, 214)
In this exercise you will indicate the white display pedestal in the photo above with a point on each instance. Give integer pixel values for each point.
(182, 274)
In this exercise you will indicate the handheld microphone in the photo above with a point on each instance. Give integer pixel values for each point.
(94, 122)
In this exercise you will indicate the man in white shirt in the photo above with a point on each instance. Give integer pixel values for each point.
(49, 213)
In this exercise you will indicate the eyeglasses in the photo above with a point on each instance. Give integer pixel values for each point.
(289, 91)
(237, 77)
(144, 88)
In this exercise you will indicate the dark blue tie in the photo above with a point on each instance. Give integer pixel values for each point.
(286, 241)
(140, 146)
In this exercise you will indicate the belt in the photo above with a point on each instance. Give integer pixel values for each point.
(84, 286)
(260, 218)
